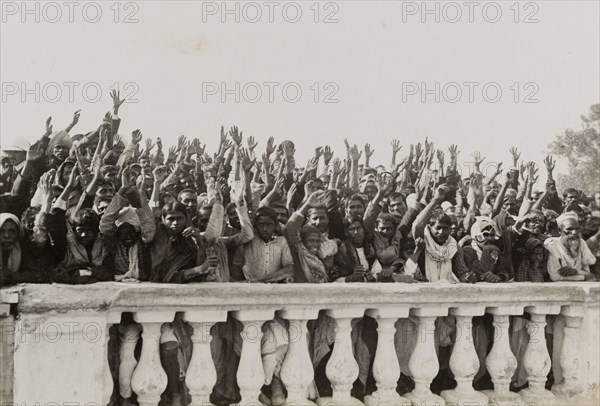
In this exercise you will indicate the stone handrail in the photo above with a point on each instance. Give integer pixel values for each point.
(58, 338)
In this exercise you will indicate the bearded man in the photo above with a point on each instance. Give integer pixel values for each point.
(570, 258)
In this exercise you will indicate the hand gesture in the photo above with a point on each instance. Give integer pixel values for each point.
(440, 157)
(515, 155)
(418, 151)
(236, 136)
(291, 192)
(224, 147)
(149, 145)
(117, 102)
(355, 154)
(181, 141)
(48, 126)
(136, 136)
(441, 192)
(288, 148)
(35, 152)
(126, 175)
(396, 147)
(73, 179)
(336, 168)
(453, 149)
(315, 198)
(498, 169)
(368, 151)
(327, 154)
(270, 146)
(359, 273)
(312, 164)
(245, 160)
(477, 159)
(278, 187)
(252, 144)
(75, 118)
(160, 173)
(550, 163)
(45, 183)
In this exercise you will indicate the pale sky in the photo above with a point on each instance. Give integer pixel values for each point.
(178, 48)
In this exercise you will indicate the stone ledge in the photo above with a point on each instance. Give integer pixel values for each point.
(238, 296)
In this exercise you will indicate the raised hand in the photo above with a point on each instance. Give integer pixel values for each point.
(291, 192)
(252, 144)
(279, 185)
(318, 152)
(245, 160)
(368, 151)
(418, 151)
(48, 126)
(136, 136)
(35, 152)
(117, 102)
(181, 141)
(337, 164)
(126, 175)
(498, 169)
(453, 149)
(477, 159)
(75, 118)
(315, 198)
(73, 179)
(440, 157)
(236, 136)
(270, 146)
(288, 148)
(516, 155)
(550, 163)
(149, 145)
(355, 154)
(327, 154)
(441, 192)
(224, 147)
(160, 173)
(312, 164)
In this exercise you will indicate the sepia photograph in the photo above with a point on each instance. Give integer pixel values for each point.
(296, 203)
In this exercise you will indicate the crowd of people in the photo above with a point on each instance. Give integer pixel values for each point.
(87, 208)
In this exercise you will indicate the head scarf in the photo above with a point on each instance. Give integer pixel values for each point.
(481, 223)
(14, 255)
(59, 138)
(570, 215)
(128, 215)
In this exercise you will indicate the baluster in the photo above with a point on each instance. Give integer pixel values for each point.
(386, 368)
(297, 370)
(107, 380)
(342, 368)
(250, 374)
(536, 360)
(464, 362)
(423, 363)
(149, 379)
(201, 374)
(129, 334)
(570, 387)
(501, 363)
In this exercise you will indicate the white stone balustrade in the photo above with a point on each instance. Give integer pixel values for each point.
(55, 340)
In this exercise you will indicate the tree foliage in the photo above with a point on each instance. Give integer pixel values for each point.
(581, 148)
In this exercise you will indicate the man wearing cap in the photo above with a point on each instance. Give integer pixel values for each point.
(570, 258)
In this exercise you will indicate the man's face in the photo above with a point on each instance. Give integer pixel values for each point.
(40, 234)
(118, 148)
(86, 235)
(105, 192)
(597, 199)
(265, 227)
(538, 255)
(9, 234)
(386, 229)
(371, 190)
(111, 175)
(510, 204)
(356, 233)
(537, 224)
(190, 201)
(570, 230)
(127, 235)
(186, 183)
(282, 215)
(145, 163)
(102, 205)
(233, 219)
(355, 208)
(312, 242)
(66, 173)
(440, 232)
(571, 198)
(397, 206)
(495, 187)
(61, 152)
(203, 218)
(319, 219)
(175, 221)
